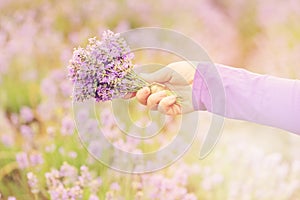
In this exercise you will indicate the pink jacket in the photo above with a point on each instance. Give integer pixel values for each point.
(262, 99)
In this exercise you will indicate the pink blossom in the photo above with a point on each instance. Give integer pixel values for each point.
(85, 176)
(8, 140)
(36, 159)
(33, 182)
(26, 114)
(115, 186)
(26, 131)
(72, 154)
(68, 171)
(50, 148)
(190, 197)
(14, 118)
(93, 197)
(50, 130)
(22, 160)
(67, 127)
(95, 184)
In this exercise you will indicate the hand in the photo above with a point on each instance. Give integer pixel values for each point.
(177, 77)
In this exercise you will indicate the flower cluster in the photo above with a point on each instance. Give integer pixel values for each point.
(103, 70)
(67, 183)
(168, 186)
(33, 182)
(25, 160)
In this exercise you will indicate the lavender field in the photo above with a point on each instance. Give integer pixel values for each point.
(41, 154)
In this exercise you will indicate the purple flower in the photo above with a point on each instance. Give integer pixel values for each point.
(14, 118)
(72, 154)
(33, 182)
(190, 197)
(7, 140)
(68, 171)
(74, 192)
(26, 131)
(22, 160)
(67, 126)
(85, 177)
(93, 197)
(26, 114)
(36, 159)
(52, 179)
(95, 184)
(115, 186)
(103, 70)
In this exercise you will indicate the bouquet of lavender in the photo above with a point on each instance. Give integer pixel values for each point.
(103, 70)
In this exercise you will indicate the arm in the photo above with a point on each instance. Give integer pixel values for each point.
(252, 97)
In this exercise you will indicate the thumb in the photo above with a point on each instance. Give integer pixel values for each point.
(160, 76)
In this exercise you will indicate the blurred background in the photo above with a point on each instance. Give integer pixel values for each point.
(41, 156)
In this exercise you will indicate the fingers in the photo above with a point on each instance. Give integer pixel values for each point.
(168, 106)
(154, 99)
(142, 95)
(159, 101)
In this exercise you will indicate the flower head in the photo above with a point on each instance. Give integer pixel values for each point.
(22, 160)
(26, 114)
(36, 159)
(33, 182)
(103, 70)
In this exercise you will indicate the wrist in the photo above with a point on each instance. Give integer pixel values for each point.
(199, 91)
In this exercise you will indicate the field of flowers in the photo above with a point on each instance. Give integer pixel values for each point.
(41, 155)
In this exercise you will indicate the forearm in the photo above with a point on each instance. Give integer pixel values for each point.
(252, 97)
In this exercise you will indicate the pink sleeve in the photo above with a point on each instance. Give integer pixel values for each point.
(252, 97)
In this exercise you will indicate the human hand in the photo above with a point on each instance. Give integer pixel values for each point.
(178, 78)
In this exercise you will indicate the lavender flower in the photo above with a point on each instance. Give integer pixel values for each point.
(8, 140)
(22, 160)
(95, 184)
(26, 114)
(26, 131)
(115, 186)
(68, 172)
(85, 178)
(33, 182)
(36, 159)
(52, 179)
(67, 127)
(103, 70)
(93, 197)
(72, 154)
(67, 183)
